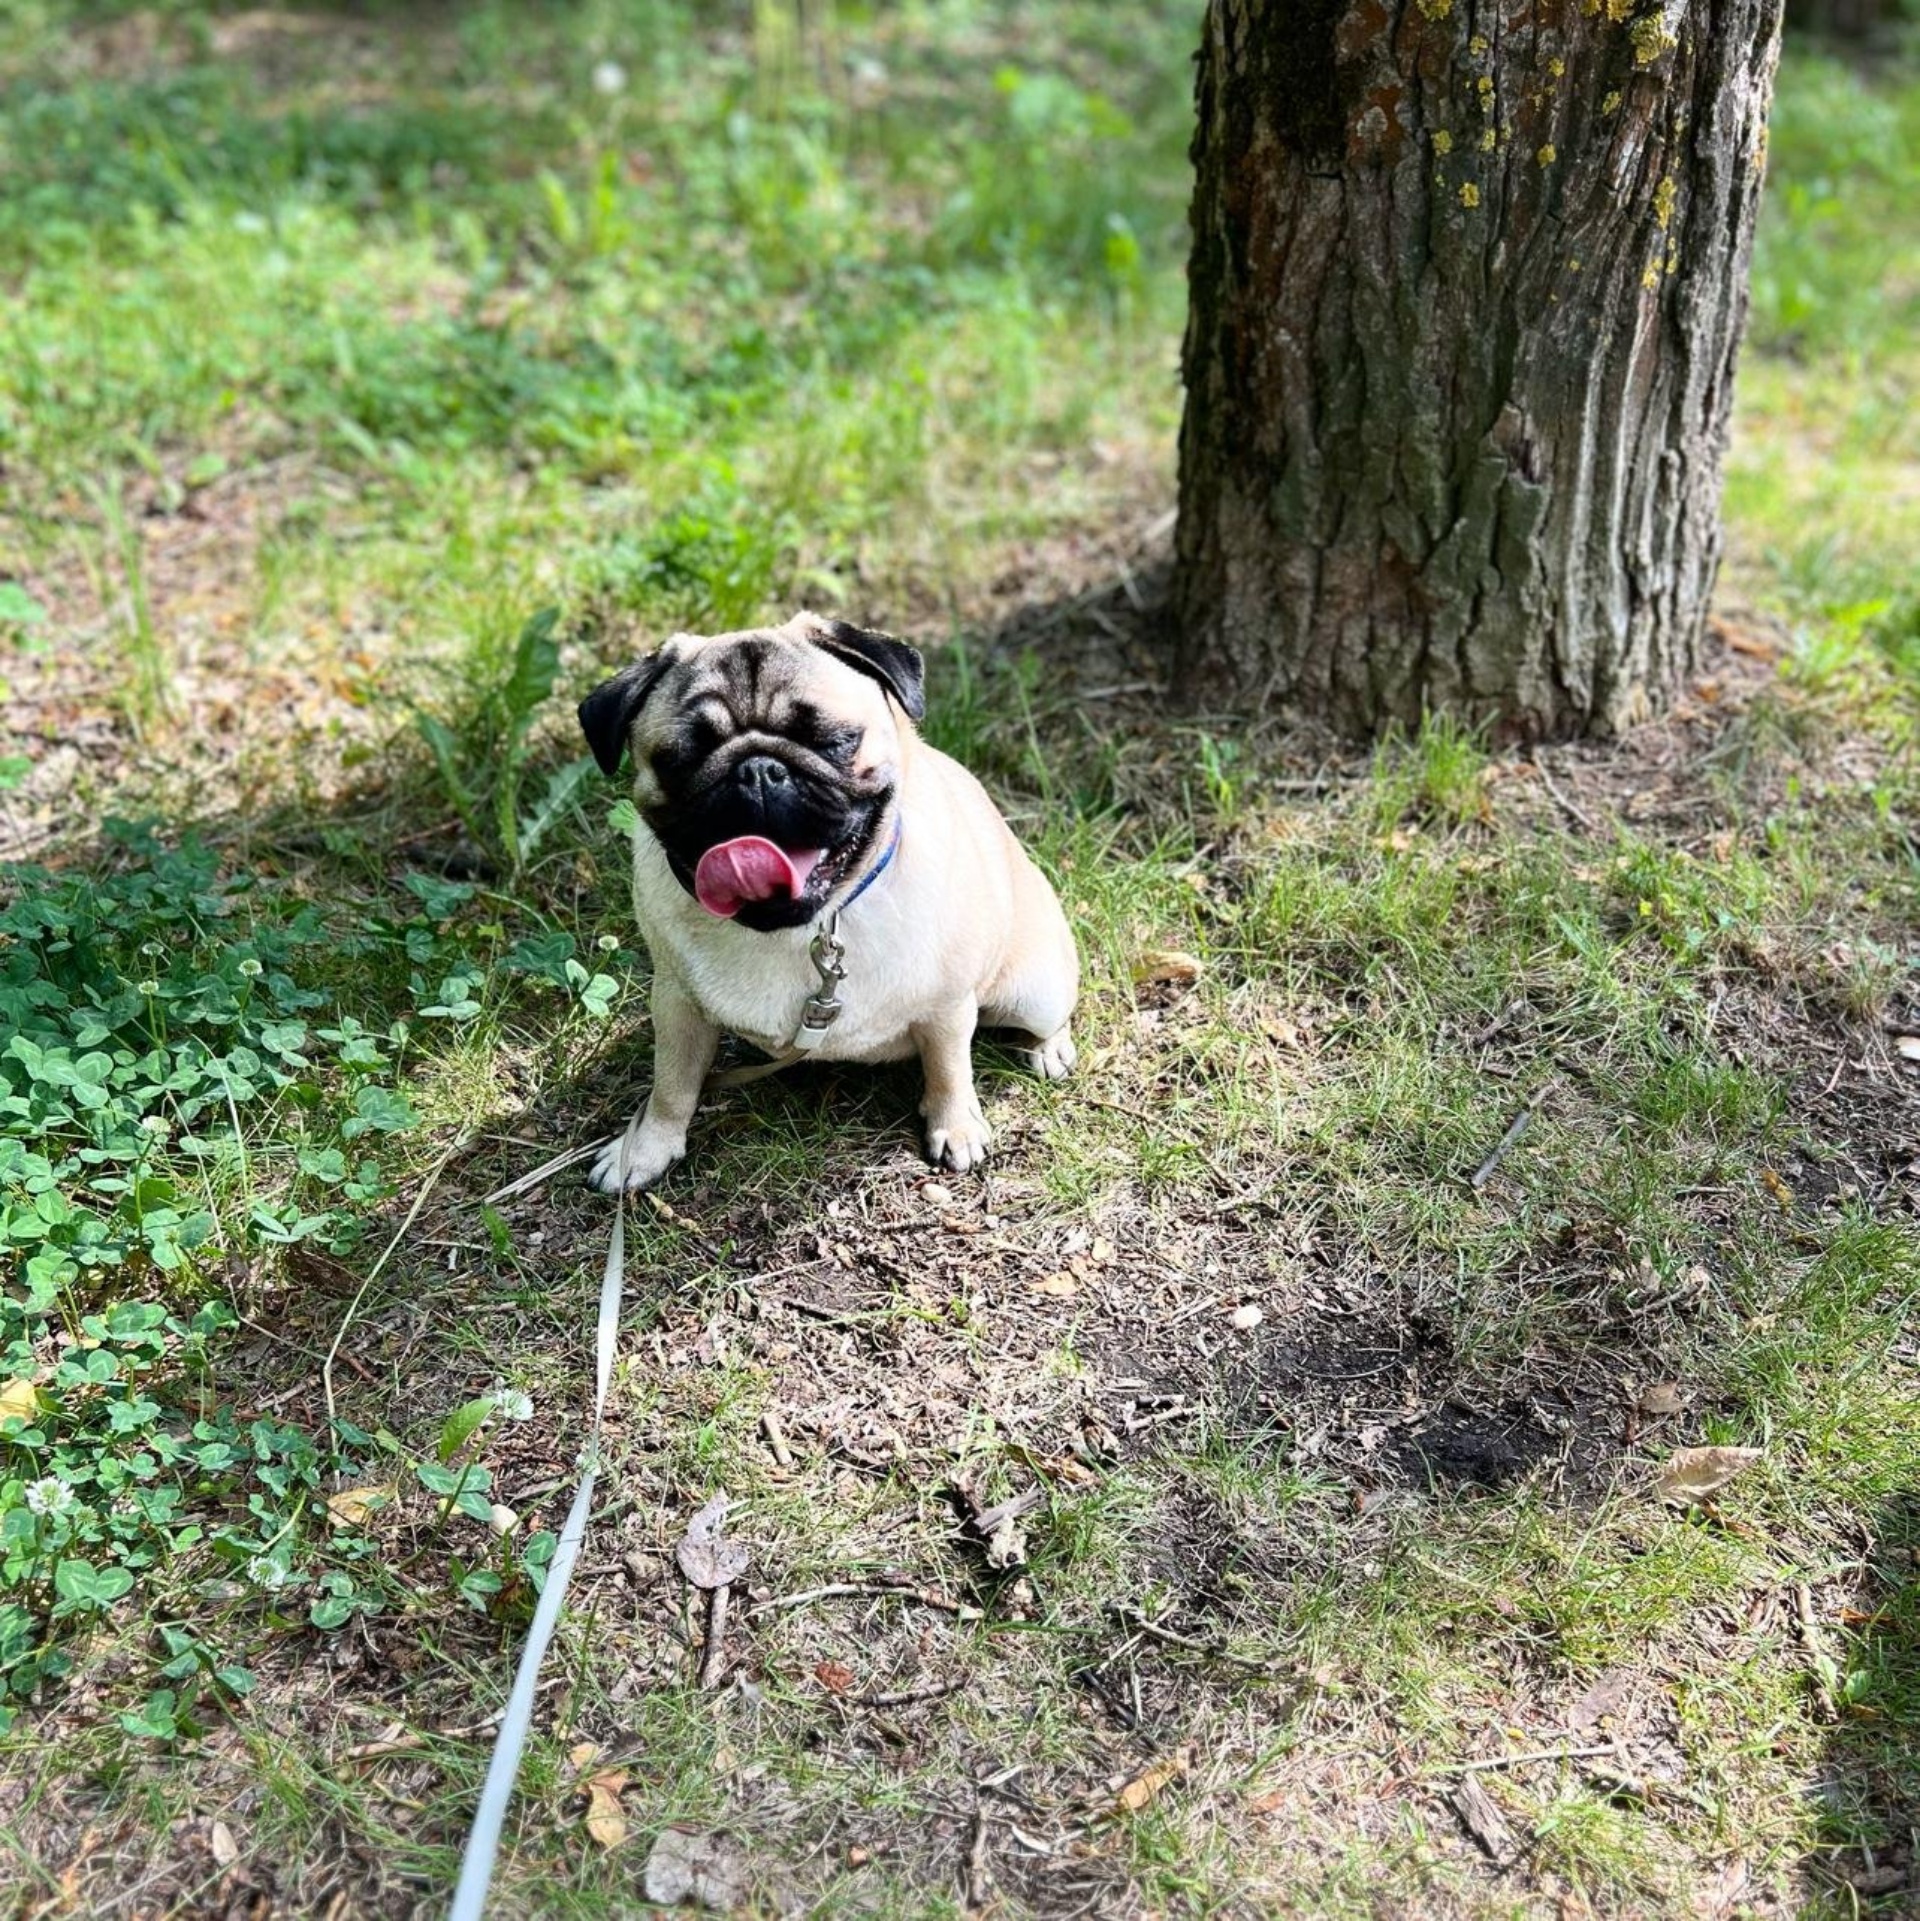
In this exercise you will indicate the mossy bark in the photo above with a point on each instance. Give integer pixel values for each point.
(1466, 296)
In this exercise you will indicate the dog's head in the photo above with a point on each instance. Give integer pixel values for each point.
(765, 762)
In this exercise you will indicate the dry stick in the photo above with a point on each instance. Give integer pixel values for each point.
(546, 1169)
(958, 1609)
(776, 1438)
(713, 1661)
(1504, 1146)
(903, 1697)
(1577, 813)
(1824, 1671)
(979, 1883)
(1523, 1760)
(374, 1272)
(1154, 1632)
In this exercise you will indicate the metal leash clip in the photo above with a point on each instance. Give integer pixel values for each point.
(822, 1007)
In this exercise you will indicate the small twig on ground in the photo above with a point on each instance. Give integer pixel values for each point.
(979, 1881)
(1505, 1145)
(1131, 1617)
(776, 1438)
(1525, 1759)
(879, 1589)
(1570, 807)
(905, 1697)
(544, 1171)
(713, 1660)
(1825, 1674)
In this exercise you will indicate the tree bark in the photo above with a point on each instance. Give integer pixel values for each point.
(1467, 285)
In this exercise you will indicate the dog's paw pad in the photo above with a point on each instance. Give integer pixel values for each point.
(1053, 1059)
(960, 1144)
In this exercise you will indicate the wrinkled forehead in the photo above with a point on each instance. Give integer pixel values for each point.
(765, 681)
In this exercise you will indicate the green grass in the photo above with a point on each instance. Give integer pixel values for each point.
(331, 361)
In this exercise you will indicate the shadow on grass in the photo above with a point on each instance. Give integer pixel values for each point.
(1867, 1790)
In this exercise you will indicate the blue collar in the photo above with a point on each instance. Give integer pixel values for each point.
(874, 872)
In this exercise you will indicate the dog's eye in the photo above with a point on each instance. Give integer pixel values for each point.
(701, 737)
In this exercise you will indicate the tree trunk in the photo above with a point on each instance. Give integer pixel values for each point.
(1467, 284)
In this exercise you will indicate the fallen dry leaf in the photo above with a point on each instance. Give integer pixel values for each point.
(606, 1821)
(19, 1398)
(225, 1849)
(1608, 1695)
(707, 1558)
(1908, 1047)
(1103, 1252)
(1778, 1188)
(1060, 1285)
(700, 1868)
(1247, 1317)
(1694, 1474)
(1147, 1786)
(354, 1506)
(834, 1676)
(1663, 1397)
(1167, 964)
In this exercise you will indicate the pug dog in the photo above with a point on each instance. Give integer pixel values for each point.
(810, 875)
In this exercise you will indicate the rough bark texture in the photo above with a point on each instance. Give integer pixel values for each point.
(1467, 285)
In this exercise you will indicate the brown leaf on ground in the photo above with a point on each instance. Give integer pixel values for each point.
(1167, 965)
(1721, 1895)
(606, 1822)
(1663, 1397)
(1908, 1047)
(1607, 1696)
(703, 1869)
(355, 1506)
(1778, 1188)
(1149, 1784)
(21, 1398)
(1694, 1474)
(706, 1557)
(834, 1676)
(1060, 1286)
(1480, 1815)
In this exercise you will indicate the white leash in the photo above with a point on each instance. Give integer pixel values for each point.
(483, 1839)
(821, 1010)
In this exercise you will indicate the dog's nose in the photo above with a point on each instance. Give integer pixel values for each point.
(762, 775)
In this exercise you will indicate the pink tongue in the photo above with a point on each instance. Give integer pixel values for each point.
(750, 869)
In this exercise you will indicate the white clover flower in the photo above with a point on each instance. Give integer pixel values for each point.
(156, 1124)
(513, 1404)
(147, 987)
(609, 78)
(251, 968)
(270, 1575)
(48, 1497)
(608, 943)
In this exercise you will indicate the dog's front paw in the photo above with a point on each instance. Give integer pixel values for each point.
(648, 1156)
(959, 1138)
(1053, 1059)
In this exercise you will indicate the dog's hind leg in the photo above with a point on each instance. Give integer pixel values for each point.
(1036, 992)
(684, 1043)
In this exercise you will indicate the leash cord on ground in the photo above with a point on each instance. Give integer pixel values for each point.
(483, 1839)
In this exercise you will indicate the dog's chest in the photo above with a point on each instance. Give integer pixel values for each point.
(757, 985)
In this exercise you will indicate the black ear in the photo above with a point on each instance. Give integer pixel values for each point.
(896, 666)
(607, 713)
